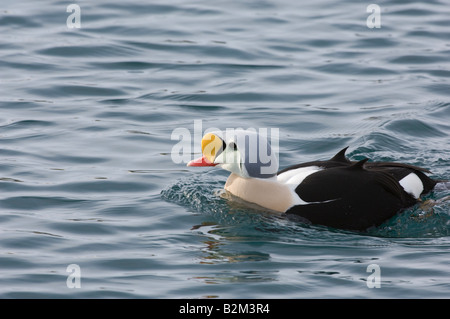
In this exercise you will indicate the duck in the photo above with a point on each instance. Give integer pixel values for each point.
(337, 193)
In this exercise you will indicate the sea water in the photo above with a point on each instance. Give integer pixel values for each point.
(93, 203)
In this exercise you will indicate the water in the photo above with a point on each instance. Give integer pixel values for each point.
(86, 170)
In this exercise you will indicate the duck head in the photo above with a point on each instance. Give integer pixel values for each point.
(242, 152)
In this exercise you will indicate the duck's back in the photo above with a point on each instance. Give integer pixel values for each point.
(357, 195)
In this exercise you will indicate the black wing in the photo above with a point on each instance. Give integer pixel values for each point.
(397, 170)
(339, 160)
(355, 195)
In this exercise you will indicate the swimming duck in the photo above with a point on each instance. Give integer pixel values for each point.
(339, 193)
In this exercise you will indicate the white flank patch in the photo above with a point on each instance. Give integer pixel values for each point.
(295, 177)
(412, 185)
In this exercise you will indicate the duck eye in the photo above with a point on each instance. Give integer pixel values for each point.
(224, 145)
(233, 146)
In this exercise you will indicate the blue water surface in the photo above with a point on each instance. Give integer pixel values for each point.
(89, 175)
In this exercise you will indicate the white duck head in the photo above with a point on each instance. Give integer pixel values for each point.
(242, 152)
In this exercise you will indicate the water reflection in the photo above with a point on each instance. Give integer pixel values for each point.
(239, 276)
(215, 246)
(215, 251)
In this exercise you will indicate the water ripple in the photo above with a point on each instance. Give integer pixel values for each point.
(87, 115)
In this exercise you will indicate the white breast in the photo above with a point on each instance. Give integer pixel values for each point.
(277, 193)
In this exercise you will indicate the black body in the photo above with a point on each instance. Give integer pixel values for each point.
(355, 195)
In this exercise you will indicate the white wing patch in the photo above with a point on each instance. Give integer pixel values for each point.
(295, 177)
(412, 185)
